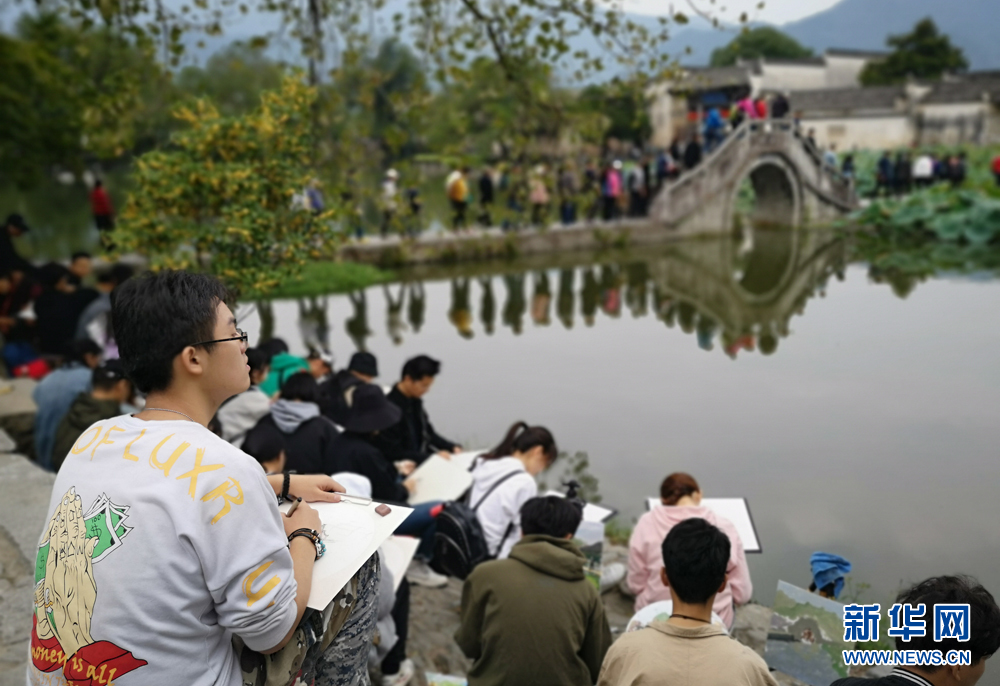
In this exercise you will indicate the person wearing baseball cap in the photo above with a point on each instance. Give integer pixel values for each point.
(10, 259)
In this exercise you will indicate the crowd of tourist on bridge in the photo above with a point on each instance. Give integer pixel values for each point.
(209, 581)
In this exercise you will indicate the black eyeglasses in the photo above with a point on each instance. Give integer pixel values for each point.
(241, 337)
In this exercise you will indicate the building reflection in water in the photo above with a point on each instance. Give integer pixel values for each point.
(738, 296)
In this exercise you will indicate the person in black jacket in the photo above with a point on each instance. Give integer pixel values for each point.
(356, 450)
(309, 437)
(413, 439)
(335, 393)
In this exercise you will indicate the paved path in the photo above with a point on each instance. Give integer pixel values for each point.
(24, 499)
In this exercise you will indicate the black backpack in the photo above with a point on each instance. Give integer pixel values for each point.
(459, 541)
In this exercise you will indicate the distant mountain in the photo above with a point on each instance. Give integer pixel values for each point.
(865, 24)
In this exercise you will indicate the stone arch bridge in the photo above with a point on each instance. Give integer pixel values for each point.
(792, 186)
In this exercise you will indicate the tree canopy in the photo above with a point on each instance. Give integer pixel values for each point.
(763, 41)
(221, 195)
(924, 53)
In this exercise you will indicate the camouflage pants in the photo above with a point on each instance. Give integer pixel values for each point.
(328, 648)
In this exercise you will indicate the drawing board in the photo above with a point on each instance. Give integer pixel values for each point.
(438, 479)
(398, 552)
(591, 512)
(735, 510)
(352, 534)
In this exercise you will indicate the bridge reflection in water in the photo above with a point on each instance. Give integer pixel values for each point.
(734, 294)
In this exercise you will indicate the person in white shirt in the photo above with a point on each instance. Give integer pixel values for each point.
(241, 413)
(525, 452)
(165, 542)
(923, 170)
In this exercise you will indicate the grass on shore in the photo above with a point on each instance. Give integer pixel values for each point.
(324, 277)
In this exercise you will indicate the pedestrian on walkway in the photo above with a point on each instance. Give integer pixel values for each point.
(457, 189)
(390, 200)
(538, 195)
(486, 192)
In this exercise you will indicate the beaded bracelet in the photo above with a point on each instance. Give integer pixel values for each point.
(313, 536)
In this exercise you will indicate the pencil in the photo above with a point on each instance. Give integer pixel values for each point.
(291, 510)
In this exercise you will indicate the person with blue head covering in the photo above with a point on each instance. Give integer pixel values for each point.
(828, 572)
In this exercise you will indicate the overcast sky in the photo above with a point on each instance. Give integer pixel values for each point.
(775, 11)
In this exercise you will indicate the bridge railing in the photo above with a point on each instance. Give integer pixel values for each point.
(741, 135)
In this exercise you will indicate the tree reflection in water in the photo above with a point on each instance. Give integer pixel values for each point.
(739, 296)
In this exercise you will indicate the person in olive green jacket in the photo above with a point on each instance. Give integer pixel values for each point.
(533, 618)
(109, 389)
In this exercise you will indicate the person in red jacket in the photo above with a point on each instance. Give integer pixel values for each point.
(996, 169)
(100, 205)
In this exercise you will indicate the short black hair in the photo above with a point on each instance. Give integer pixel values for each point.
(80, 253)
(257, 359)
(984, 616)
(273, 346)
(107, 374)
(264, 442)
(420, 367)
(550, 515)
(695, 555)
(156, 316)
(300, 386)
(80, 347)
(121, 272)
(52, 273)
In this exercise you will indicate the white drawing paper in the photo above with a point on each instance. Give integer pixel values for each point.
(352, 533)
(440, 480)
(735, 510)
(398, 552)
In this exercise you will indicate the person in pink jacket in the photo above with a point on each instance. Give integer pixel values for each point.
(681, 498)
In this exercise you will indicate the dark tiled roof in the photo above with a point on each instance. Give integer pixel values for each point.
(800, 62)
(709, 78)
(842, 100)
(974, 89)
(846, 52)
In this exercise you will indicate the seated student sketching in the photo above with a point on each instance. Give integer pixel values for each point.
(163, 541)
(283, 365)
(984, 634)
(56, 392)
(681, 498)
(308, 435)
(413, 439)
(267, 446)
(241, 413)
(503, 480)
(357, 450)
(534, 618)
(109, 391)
(336, 393)
(687, 648)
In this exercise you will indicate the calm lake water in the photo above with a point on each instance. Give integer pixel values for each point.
(853, 420)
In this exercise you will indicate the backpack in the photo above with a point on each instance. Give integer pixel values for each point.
(459, 541)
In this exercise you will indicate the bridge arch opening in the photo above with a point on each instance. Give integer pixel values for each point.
(769, 194)
(766, 211)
